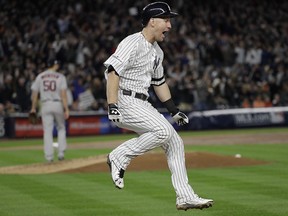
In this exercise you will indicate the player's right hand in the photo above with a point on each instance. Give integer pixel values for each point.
(114, 114)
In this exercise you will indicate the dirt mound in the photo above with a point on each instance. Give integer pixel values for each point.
(148, 161)
(54, 167)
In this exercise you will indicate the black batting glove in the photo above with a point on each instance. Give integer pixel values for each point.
(114, 114)
(180, 118)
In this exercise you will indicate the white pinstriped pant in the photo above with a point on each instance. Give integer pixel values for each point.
(154, 131)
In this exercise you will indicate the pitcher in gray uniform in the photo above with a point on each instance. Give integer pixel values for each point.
(135, 65)
(52, 87)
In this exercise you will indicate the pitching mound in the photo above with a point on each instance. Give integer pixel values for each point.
(148, 161)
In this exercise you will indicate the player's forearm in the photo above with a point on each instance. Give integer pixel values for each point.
(112, 88)
(162, 92)
(65, 103)
(34, 99)
(164, 95)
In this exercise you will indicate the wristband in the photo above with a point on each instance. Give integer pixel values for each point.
(113, 105)
(171, 107)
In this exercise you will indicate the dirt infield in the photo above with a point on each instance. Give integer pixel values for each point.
(152, 160)
(157, 161)
(149, 161)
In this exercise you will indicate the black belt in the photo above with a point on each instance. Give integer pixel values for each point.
(50, 100)
(137, 95)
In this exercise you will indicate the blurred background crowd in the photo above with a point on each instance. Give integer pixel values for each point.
(219, 54)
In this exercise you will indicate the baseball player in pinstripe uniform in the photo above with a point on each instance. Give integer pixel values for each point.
(135, 65)
(52, 87)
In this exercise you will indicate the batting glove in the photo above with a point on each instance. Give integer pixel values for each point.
(114, 114)
(180, 118)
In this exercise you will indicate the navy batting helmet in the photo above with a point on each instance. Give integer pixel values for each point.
(156, 10)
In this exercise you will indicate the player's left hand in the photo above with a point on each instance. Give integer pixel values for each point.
(180, 118)
(33, 118)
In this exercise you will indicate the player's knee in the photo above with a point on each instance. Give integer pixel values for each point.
(164, 134)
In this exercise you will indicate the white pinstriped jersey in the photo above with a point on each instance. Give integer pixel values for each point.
(138, 63)
(49, 83)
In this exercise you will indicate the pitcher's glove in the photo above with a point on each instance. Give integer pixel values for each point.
(180, 118)
(114, 114)
(33, 118)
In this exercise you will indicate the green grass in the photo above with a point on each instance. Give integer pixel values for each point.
(238, 191)
(89, 139)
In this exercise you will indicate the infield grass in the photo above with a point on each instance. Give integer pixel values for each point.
(238, 191)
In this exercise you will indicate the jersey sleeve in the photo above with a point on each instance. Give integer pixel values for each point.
(120, 60)
(158, 77)
(63, 84)
(36, 84)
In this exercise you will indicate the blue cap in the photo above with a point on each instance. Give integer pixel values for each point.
(52, 62)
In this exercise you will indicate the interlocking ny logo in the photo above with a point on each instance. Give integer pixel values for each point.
(115, 112)
(156, 62)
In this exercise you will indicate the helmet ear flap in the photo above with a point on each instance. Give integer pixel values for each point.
(145, 20)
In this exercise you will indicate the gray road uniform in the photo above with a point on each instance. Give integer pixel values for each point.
(139, 65)
(49, 84)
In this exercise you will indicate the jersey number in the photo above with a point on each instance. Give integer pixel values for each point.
(49, 85)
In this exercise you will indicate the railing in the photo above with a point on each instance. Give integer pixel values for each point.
(16, 125)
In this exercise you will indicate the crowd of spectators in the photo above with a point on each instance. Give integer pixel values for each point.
(220, 53)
